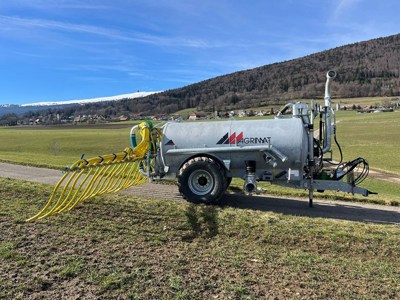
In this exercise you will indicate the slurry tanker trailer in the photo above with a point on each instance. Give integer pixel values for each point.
(204, 157)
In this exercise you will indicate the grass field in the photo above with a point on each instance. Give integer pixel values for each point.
(124, 247)
(372, 136)
(57, 147)
(375, 101)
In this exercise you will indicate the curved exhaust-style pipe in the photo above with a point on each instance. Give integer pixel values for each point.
(330, 75)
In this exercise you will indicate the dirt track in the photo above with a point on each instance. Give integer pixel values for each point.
(384, 176)
(322, 208)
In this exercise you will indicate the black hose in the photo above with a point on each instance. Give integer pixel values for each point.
(351, 166)
(340, 151)
(320, 152)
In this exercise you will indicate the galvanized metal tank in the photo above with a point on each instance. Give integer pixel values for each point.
(275, 145)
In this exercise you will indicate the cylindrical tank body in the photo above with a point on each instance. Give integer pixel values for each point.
(276, 145)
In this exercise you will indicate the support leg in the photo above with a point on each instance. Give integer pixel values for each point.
(310, 197)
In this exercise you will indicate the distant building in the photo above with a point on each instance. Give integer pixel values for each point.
(261, 113)
(123, 118)
(197, 116)
(175, 118)
(242, 113)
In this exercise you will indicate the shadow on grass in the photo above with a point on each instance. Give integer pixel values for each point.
(322, 208)
(203, 221)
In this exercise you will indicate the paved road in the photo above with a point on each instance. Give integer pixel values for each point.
(322, 208)
(33, 174)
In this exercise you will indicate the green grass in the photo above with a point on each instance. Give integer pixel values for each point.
(373, 136)
(388, 192)
(119, 246)
(59, 147)
(186, 112)
(376, 101)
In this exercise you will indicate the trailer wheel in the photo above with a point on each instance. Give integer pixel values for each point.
(228, 182)
(202, 180)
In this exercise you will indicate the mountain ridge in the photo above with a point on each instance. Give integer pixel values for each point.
(37, 106)
(365, 69)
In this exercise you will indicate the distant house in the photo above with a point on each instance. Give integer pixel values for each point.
(123, 118)
(226, 115)
(138, 117)
(261, 113)
(197, 116)
(160, 117)
(175, 118)
(80, 119)
(242, 113)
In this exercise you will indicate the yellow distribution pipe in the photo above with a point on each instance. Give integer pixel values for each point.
(104, 185)
(71, 189)
(87, 178)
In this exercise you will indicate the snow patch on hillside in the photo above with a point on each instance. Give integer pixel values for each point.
(93, 100)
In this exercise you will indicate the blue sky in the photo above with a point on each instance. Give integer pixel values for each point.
(53, 50)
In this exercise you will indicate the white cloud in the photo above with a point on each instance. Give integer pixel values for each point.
(56, 25)
(343, 7)
(17, 22)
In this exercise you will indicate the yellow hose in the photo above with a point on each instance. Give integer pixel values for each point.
(87, 178)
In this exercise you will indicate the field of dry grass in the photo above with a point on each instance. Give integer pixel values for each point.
(129, 247)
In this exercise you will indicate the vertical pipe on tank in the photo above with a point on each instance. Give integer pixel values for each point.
(328, 110)
(311, 162)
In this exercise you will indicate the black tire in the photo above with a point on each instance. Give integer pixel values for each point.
(228, 182)
(202, 180)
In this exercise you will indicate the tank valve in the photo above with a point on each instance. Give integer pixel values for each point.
(250, 182)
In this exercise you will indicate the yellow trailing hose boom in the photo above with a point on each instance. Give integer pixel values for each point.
(87, 178)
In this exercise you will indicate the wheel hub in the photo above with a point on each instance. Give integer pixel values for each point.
(201, 182)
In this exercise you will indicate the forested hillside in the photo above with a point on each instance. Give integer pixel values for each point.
(364, 69)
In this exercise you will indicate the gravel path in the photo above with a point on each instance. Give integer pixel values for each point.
(322, 208)
(33, 174)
